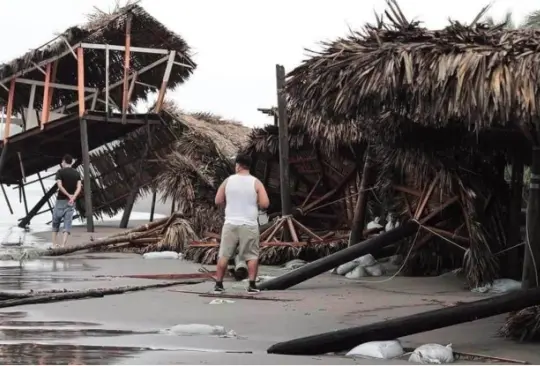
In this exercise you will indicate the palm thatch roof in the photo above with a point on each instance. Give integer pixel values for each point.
(201, 157)
(103, 28)
(190, 155)
(470, 76)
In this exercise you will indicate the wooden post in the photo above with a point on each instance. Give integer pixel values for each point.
(30, 108)
(23, 190)
(9, 110)
(44, 191)
(107, 79)
(34, 211)
(511, 262)
(3, 158)
(531, 263)
(46, 107)
(127, 57)
(80, 81)
(286, 208)
(165, 82)
(86, 178)
(153, 206)
(361, 202)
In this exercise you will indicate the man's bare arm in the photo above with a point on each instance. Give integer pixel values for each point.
(262, 196)
(77, 191)
(62, 189)
(220, 195)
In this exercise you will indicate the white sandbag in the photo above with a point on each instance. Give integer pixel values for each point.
(366, 260)
(374, 271)
(432, 353)
(196, 329)
(356, 273)
(162, 255)
(389, 267)
(374, 224)
(499, 286)
(346, 268)
(380, 349)
(294, 264)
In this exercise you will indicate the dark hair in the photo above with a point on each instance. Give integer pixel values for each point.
(243, 160)
(68, 159)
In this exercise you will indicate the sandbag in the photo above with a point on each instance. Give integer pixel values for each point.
(374, 271)
(432, 353)
(162, 255)
(499, 286)
(366, 260)
(294, 264)
(196, 329)
(356, 273)
(379, 349)
(346, 268)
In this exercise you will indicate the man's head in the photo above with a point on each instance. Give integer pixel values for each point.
(243, 162)
(67, 161)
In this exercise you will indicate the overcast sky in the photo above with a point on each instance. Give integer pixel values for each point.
(237, 42)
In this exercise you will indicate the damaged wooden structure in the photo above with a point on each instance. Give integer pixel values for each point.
(78, 93)
(467, 92)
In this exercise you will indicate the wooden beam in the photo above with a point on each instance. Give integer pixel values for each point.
(9, 110)
(80, 81)
(107, 87)
(165, 82)
(36, 66)
(51, 88)
(153, 205)
(46, 90)
(359, 218)
(118, 83)
(55, 85)
(127, 59)
(96, 46)
(132, 86)
(286, 208)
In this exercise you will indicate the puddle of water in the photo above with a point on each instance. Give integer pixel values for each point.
(12, 334)
(64, 354)
(24, 323)
(12, 314)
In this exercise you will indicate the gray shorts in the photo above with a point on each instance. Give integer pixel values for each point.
(243, 237)
(62, 211)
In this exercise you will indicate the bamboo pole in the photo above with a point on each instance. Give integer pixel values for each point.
(286, 207)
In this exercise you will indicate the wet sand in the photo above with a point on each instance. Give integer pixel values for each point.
(124, 329)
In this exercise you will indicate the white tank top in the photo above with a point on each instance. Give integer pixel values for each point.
(241, 206)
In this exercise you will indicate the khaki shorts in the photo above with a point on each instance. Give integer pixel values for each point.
(246, 238)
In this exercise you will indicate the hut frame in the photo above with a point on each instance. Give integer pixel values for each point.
(73, 115)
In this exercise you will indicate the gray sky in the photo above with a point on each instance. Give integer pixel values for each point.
(237, 42)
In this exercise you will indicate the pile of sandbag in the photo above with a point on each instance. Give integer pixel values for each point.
(368, 266)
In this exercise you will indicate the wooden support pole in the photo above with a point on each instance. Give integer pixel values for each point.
(359, 217)
(44, 191)
(107, 79)
(9, 110)
(23, 191)
(153, 205)
(345, 339)
(86, 179)
(531, 263)
(165, 82)
(512, 260)
(327, 263)
(127, 59)
(80, 81)
(3, 158)
(25, 221)
(286, 207)
(46, 90)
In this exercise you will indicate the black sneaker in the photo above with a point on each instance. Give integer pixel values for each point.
(253, 290)
(219, 289)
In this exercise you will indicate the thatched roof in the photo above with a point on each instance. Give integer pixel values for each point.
(103, 28)
(198, 145)
(469, 75)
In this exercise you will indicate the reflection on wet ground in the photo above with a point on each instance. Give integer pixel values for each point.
(15, 275)
(22, 323)
(64, 354)
(50, 334)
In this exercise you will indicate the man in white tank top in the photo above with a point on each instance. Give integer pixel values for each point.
(243, 195)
